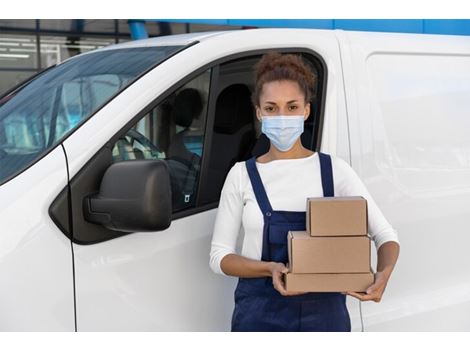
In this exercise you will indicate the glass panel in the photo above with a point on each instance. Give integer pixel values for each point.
(162, 28)
(27, 24)
(156, 28)
(59, 25)
(57, 49)
(177, 28)
(103, 26)
(173, 131)
(197, 27)
(35, 118)
(79, 25)
(9, 79)
(123, 27)
(18, 51)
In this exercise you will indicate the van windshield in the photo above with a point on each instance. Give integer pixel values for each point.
(36, 117)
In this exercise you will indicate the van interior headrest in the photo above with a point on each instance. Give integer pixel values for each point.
(187, 106)
(233, 109)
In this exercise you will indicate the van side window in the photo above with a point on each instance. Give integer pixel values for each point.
(233, 136)
(236, 132)
(173, 131)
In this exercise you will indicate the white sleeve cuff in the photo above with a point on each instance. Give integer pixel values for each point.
(388, 235)
(216, 258)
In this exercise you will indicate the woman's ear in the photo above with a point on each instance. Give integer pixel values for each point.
(307, 111)
(258, 113)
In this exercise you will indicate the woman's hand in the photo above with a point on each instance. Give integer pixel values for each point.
(277, 271)
(375, 291)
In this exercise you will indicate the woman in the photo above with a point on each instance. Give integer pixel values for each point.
(268, 194)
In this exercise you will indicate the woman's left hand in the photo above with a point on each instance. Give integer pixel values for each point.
(375, 291)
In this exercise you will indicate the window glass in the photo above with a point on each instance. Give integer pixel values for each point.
(201, 27)
(56, 49)
(123, 27)
(79, 25)
(34, 118)
(156, 28)
(16, 23)
(162, 28)
(178, 28)
(60, 25)
(99, 25)
(18, 51)
(13, 78)
(173, 131)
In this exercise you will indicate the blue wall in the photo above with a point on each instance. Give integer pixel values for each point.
(435, 26)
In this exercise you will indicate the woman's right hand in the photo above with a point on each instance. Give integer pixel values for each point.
(277, 271)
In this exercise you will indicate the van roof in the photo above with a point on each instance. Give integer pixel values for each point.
(167, 40)
(187, 38)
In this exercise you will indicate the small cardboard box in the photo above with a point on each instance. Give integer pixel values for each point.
(356, 282)
(311, 255)
(337, 216)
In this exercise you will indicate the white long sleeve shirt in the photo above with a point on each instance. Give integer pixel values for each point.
(288, 183)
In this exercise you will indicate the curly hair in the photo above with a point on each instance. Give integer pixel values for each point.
(274, 66)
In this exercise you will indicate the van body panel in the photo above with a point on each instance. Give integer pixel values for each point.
(153, 281)
(36, 273)
(408, 104)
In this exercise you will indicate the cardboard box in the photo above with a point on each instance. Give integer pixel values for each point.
(337, 216)
(357, 282)
(310, 255)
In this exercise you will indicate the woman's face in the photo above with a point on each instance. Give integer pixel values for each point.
(282, 98)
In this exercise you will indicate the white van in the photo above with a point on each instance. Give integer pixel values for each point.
(112, 162)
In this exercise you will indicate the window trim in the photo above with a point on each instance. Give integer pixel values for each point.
(206, 151)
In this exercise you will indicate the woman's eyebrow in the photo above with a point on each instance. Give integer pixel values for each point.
(289, 102)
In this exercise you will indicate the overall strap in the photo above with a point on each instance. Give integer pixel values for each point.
(258, 188)
(326, 175)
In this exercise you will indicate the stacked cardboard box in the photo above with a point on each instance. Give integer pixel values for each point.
(333, 255)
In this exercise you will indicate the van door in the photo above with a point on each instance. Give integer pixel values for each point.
(182, 112)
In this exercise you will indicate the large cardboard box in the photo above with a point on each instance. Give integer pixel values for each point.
(341, 282)
(337, 216)
(310, 255)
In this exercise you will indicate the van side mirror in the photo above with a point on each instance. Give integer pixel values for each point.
(134, 196)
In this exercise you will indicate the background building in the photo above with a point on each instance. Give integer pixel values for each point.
(29, 46)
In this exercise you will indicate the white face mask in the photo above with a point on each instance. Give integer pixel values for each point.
(283, 130)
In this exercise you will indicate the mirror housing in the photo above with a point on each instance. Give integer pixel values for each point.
(134, 196)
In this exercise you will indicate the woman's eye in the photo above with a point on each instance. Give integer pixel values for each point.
(268, 109)
(293, 107)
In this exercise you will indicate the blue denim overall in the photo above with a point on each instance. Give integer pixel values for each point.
(260, 307)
